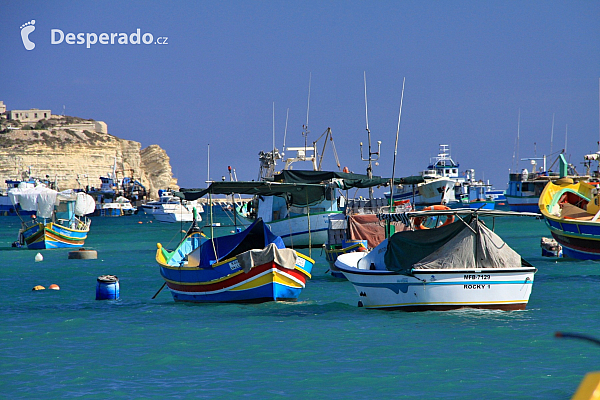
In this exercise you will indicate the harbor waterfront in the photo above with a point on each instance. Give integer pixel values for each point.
(64, 343)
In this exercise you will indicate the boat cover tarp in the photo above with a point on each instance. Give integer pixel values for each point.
(84, 204)
(453, 246)
(256, 236)
(345, 180)
(296, 194)
(39, 199)
(286, 258)
(42, 200)
(368, 227)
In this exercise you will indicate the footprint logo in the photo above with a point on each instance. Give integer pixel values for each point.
(26, 29)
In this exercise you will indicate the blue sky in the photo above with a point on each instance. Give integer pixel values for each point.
(469, 67)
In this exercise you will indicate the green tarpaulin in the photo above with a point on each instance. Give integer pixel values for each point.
(348, 180)
(296, 194)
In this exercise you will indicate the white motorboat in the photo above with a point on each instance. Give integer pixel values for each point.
(461, 264)
(170, 208)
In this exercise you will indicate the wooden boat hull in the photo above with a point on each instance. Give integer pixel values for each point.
(227, 282)
(52, 236)
(578, 235)
(440, 290)
(578, 239)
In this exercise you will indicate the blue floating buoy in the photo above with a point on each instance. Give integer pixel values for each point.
(107, 287)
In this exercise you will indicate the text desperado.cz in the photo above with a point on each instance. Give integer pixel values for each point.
(57, 36)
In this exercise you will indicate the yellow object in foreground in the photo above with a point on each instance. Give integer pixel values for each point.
(589, 388)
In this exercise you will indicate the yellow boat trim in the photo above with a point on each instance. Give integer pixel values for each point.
(258, 281)
(204, 283)
(448, 302)
(267, 279)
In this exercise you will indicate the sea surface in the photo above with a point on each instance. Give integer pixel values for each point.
(65, 344)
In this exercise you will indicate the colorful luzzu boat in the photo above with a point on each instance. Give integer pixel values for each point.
(571, 211)
(249, 267)
(59, 220)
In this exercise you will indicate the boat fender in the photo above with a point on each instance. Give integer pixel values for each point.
(419, 221)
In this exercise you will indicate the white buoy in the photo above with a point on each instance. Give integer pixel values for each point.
(39, 257)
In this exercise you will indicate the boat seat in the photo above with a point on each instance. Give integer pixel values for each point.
(570, 211)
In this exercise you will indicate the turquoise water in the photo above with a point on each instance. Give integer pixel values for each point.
(65, 344)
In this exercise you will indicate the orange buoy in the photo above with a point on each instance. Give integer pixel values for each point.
(38, 287)
(54, 287)
(140, 222)
(419, 221)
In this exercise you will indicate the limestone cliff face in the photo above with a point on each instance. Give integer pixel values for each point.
(155, 164)
(78, 159)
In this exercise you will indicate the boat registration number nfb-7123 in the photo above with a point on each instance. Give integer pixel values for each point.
(477, 277)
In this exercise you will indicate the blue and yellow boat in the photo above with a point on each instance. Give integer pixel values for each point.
(251, 266)
(59, 220)
(48, 234)
(571, 210)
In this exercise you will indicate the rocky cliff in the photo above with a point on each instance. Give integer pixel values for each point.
(76, 159)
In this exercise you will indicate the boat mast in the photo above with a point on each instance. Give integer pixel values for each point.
(370, 157)
(285, 131)
(274, 161)
(552, 134)
(306, 131)
(208, 166)
(518, 137)
(566, 131)
(395, 153)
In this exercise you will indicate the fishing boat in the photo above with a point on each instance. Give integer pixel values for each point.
(571, 211)
(550, 247)
(169, 208)
(28, 181)
(6, 205)
(461, 264)
(478, 196)
(121, 206)
(292, 225)
(443, 182)
(249, 267)
(524, 188)
(59, 219)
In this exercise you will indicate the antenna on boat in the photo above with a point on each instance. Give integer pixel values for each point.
(552, 134)
(208, 167)
(518, 136)
(566, 131)
(396, 147)
(274, 161)
(285, 131)
(370, 157)
(306, 131)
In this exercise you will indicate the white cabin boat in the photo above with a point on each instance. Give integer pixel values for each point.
(170, 208)
(461, 264)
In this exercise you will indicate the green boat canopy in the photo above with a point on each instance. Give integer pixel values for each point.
(346, 180)
(296, 194)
